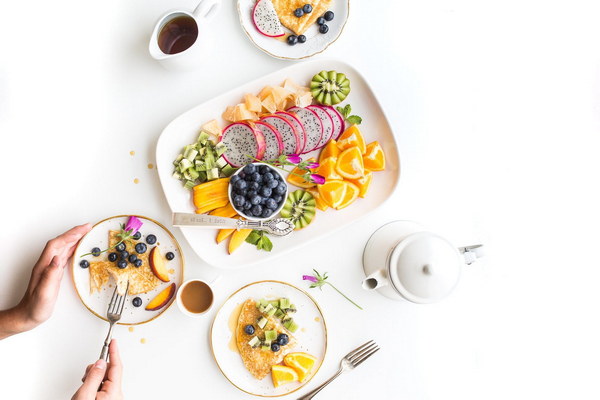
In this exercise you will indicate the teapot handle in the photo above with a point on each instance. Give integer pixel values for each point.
(471, 253)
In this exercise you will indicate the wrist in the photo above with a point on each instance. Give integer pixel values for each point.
(14, 321)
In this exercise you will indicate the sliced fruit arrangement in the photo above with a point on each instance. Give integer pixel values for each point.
(211, 195)
(299, 208)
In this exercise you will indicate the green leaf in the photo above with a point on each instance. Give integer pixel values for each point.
(253, 237)
(354, 119)
(260, 240)
(267, 245)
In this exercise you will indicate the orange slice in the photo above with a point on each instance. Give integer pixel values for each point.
(350, 163)
(282, 375)
(321, 204)
(363, 183)
(350, 195)
(301, 362)
(332, 192)
(327, 169)
(295, 178)
(374, 158)
(330, 150)
(352, 137)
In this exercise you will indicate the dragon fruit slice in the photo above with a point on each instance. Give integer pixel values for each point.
(339, 125)
(291, 143)
(327, 125)
(274, 144)
(266, 20)
(312, 126)
(292, 119)
(242, 141)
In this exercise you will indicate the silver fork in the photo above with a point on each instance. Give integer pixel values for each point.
(349, 362)
(115, 309)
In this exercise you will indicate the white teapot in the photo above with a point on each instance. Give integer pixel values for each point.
(403, 261)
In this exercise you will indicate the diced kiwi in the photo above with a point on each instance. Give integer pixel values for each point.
(265, 347)
(262, 321)
(270, 335)
(284, 303)
(290, 325)
(279, 313)
(254, 342)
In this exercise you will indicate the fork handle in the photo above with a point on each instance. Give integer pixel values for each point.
(316, 390)
(104, 352)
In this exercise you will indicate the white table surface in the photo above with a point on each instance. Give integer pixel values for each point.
(496, 108)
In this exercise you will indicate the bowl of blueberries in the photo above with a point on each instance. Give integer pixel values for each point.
(257, 191)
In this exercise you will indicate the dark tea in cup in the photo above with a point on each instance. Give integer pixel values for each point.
(178, 34)
(196, 297)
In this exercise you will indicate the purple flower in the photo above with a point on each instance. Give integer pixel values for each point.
(133, 225)
(313, 165)
(318, 179)
(294, 158)
(309, 278)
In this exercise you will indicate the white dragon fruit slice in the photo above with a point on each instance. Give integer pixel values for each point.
(291, 143)
(292, 119)
(339, 125)
(327, 125)
(241, 141)
(312, 126)
(266, 20)
(274, 143)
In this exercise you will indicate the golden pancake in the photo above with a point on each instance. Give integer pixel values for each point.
(285, 11)
(257, 360)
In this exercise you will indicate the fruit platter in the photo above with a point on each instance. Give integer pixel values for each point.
(309, 143)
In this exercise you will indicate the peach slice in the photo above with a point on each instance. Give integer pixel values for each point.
(162, 299)
(158, 265)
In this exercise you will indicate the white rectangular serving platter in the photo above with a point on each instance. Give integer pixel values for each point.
(185, 129)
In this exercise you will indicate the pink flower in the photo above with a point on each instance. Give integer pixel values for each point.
(318, 179)
(313, 165)
(133, 225)
(294, 158)
(309, 278)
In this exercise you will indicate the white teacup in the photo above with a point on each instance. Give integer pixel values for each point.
(193, 45)
(202, 287)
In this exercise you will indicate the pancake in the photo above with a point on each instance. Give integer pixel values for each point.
(256, 360)
(285, 11)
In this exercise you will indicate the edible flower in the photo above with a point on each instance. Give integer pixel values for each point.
(294, 158)
(312, 165)
(319, 280)
(129, 229)
(296, 161)
(318, 179)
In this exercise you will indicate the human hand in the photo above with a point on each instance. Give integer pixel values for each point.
(102, 381)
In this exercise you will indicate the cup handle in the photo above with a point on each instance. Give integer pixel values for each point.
(207, 9)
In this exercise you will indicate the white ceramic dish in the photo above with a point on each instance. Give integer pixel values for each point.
(97, 302)
(185, 129)
(277, 47)
(311, 336)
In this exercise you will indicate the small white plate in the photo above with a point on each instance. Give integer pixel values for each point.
(185, 129)
(311, 336)
(97, 302)
(315, 42)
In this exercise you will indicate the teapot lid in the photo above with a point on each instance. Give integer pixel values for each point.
(425, 267)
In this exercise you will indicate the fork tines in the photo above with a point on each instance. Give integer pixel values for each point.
(117, 302)
(361, 353)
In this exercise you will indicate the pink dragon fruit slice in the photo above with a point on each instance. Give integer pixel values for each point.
(312, 126)
(339, 125)
(292, 119)
(327, 125)
(266, 20)
(291, 142)
(274, 143)
(242, 141)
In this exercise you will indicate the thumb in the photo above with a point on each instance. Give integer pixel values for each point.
(94, 379)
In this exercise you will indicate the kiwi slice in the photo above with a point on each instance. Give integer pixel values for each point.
(329, 87)
(299, 208)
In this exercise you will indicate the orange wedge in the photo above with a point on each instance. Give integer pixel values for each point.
(301, 362)
(332, 192)
(330, 150)
(350, 163)
(363, 183)
(374, 158)
(352, 137)
(327, 169)
(282, 375)
(350, 195)
(296, 179)
(321, 204)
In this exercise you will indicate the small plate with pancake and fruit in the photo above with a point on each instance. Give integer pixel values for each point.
(269, 338)
(293, 29)
(147, 263)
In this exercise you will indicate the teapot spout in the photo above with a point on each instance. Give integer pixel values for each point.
(374, 281)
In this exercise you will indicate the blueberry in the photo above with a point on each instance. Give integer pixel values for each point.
(301, 38)
(256, 199)
(120, 247)
(271, 204)
(307, 9)
(137, 235)
(84, 263)
(263, 201)
(264, 169)
(239, 200)
(132, 258)
(298, 12)
(248, 177)
(247, 205)
(283, 339)
(249, 329)
(140, 248)
(257, 177)
(321, 20)
(150, 239)
(124, 254)
(241, 192)
(324, 28)
(274, 347)
(277, 199)
(242, 175)
(265, 191)
(234, 179)
(328, 15)
(138, 263)
(112, 257)
(268, 177)
(272, 184)
(169, 256)
(240, 185)
(266, 213)
(257, 210)
(96, 252)
(136, 302)
(281, 188)
(254, 186)
(249, 169)
(292, 40)
(122, 264)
